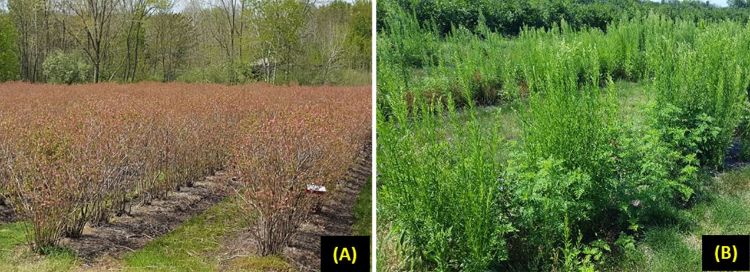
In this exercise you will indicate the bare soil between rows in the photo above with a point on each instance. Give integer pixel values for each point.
(146, 222)
(7, 215)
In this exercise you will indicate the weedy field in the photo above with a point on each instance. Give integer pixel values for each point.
(561, 148)
(97, 176)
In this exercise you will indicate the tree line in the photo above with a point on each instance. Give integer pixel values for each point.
(223, 41)
(509, 17)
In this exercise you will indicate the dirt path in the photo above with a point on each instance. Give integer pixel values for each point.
(335, 218)
(146, 222)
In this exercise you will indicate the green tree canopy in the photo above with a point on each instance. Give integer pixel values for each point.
(8, 53)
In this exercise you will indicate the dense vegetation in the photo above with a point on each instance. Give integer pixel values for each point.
(74, 155)
(579, 181)
(8, 52)
(221, 41)
(510, 16)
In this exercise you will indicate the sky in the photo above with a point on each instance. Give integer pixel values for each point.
(721, 3)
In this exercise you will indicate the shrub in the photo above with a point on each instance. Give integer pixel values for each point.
(92, 150)
(653, 177)
(579, 171)
(544, 193)
(37, 185)
(275, 161)
(68, 68)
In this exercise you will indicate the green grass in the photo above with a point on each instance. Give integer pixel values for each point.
(661, 250)
(262, 264)
(389, 251)
(190, 247)
(363, 211)
(489, 118)
(633, 101)
(11, 235)
(15, 255)
(674, 249)
(349, 77)
(194, 246)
